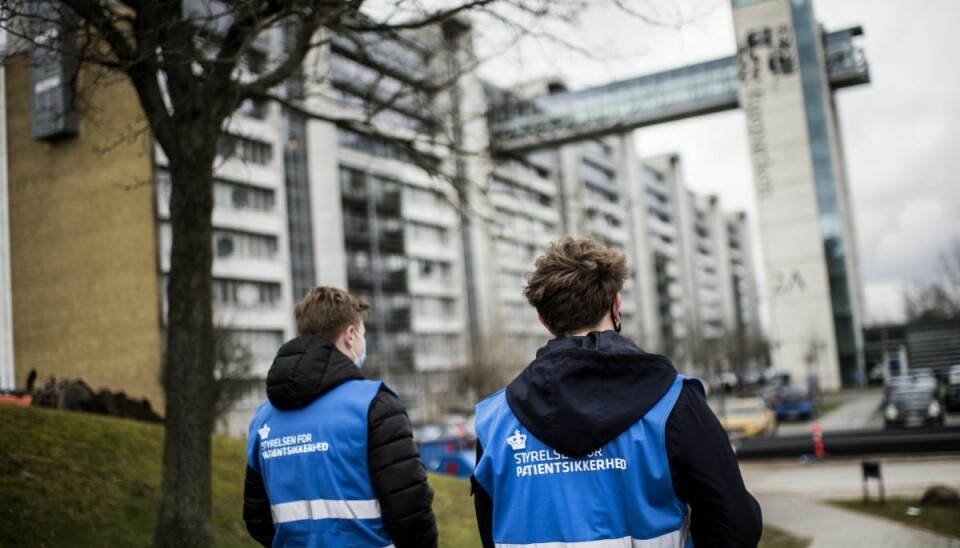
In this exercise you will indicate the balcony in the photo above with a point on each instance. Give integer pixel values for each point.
(363, 278)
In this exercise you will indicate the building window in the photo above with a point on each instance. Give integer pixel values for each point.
(428, 234)
(432, 271)
(501, 185)
(245, 294)
(230, 243)
(254, 108)
(261, 344)
(434, 307)
(244, 149)
(230, 195)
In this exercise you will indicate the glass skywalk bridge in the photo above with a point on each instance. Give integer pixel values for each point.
(521, 126)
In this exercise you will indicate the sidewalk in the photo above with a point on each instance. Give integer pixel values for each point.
(791, 494)
(832, 527)
(858, 411)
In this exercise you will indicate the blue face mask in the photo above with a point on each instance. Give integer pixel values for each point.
(358, 360)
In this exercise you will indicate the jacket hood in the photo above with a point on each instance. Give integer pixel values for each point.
(581, 392)
(306, 368)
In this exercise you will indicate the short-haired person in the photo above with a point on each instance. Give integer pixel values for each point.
(598, 442)
(331, 459)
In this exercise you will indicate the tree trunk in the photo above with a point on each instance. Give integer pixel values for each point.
(183, 517)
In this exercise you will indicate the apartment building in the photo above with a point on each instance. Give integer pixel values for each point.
(700, 305)
(439, 243)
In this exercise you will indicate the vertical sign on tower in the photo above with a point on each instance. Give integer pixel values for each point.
(772, 96)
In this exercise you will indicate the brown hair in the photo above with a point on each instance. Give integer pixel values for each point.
(327, 311)
(575, 283)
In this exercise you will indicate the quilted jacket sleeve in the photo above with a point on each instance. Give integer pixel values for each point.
(398, 475)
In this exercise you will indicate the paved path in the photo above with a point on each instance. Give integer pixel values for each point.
(857, 412)
(791, 495)
(832, 527)
(841, 478)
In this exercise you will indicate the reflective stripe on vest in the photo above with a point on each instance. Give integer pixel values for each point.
(666, 541)
(325, 509)
(619, 495)
(313, 461)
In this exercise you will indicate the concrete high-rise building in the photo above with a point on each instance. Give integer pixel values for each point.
(302, 202)
(784, 73)
(694, 265)
(806, 222)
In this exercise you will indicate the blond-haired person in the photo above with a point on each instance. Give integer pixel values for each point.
(598, 443)
(331, 459)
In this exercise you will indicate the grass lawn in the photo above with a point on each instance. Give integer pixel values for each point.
(74, 479)
(775, 538)
(826, 406)
(939, 519)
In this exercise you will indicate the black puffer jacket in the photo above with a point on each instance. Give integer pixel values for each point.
(582, 392)
(305, 369)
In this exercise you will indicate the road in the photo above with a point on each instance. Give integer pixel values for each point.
(858, 410)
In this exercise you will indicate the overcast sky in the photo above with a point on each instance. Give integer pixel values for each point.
(901, 132)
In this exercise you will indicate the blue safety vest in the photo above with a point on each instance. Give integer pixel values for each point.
(620, 495)
(313, 462)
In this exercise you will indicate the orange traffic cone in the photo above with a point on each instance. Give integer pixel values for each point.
(817, 440)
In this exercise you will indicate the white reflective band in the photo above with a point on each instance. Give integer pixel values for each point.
(325, 509)
(670, 540)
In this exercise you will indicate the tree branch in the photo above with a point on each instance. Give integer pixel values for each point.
(290, 65)
(96, 15)
(435, 18)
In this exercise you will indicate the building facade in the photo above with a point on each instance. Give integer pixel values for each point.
(7, 379)
(438, 236)
(806, 222)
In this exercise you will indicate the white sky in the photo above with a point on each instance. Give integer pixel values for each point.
(901, 132)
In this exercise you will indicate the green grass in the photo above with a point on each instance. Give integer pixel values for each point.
(73, 480)
(944, 520)
(826, 406)
(775, 538)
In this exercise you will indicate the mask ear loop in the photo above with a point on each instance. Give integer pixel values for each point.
(617, 326)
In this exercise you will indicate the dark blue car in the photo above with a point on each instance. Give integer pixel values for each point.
(448, 456)
(793, 403)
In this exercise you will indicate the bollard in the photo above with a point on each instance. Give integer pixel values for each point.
(871, 469)
(817, 440)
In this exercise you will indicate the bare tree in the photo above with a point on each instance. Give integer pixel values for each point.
(234, 361)
(189, 64)
(940, 299)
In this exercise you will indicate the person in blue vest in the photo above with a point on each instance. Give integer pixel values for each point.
(331, 459)
(598, 443)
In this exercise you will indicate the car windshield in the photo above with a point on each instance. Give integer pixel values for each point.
(744, 409)
(955, 376)
(912, 398)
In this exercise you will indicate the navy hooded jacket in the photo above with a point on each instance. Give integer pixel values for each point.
(582, 392)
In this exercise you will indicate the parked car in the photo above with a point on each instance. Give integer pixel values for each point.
(793, 403)
(448, 456)
(746, 417)
(953, 388)
(912, 407)
(918, 381)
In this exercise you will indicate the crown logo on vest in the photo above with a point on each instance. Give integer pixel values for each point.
(517, 441)
(264, 432)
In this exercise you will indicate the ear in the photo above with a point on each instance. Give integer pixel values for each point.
(544, 324)
(348, 337)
